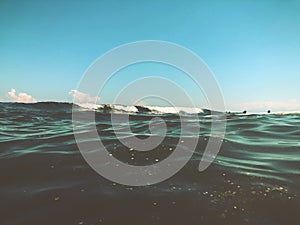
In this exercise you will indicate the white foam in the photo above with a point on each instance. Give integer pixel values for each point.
(175, 110)
(154, 109)
(88, 105)
(124, 108)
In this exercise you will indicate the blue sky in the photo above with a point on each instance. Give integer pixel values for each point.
(252, 47)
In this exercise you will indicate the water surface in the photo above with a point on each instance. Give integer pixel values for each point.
(255, 179)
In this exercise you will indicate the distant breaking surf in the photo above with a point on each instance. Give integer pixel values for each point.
(119, 108)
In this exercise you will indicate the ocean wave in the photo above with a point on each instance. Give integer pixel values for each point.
(117, 108)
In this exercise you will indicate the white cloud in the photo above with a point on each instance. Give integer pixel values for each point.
(21, 97)
(261, 106)
(80, 97)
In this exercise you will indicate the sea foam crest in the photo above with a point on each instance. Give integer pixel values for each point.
(116, 108)
(174, 110)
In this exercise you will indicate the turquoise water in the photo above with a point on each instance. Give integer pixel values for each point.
(255, 179)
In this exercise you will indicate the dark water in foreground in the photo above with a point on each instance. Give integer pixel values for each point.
(255, 179)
